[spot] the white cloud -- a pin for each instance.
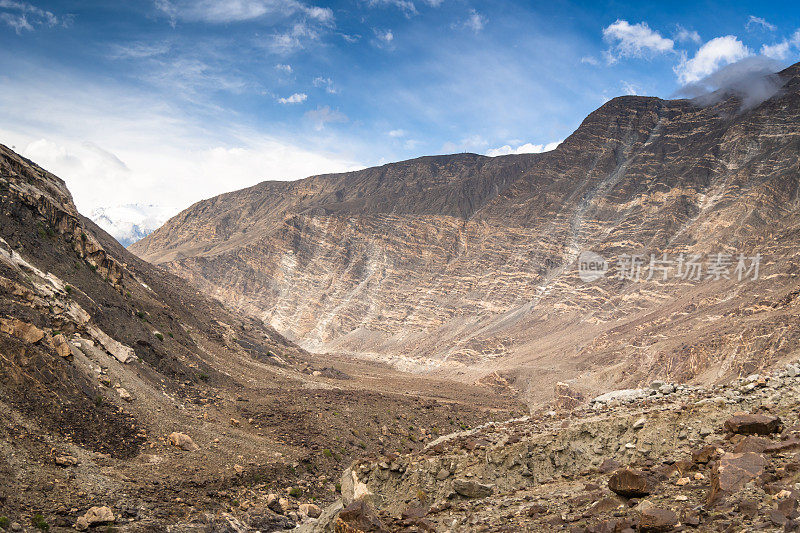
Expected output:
(634, 40)
(327, 83)
(526, 148)
(406, 6)
(221, 12)
(473, 143)
(22, 16)
(589, 60)
(758, 22)
(397, 133)
(297, 37)
(475, 22)
(630, 88)
(296, 98)
(682, 35)
(283, 68)
(385, 35)
(321, 116)
(710, 57)
(782, 49)
(115, 147)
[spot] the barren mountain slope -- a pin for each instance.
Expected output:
(466, 264)
(103, 357)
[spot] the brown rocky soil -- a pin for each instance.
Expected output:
(686, 459)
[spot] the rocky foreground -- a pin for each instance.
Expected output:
(665, 458)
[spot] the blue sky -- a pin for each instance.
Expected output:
(165, 102)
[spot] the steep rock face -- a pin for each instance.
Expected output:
(466, 263)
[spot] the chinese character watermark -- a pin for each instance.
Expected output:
(689, 267)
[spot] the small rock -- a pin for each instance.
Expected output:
(310, 510)
(639, 424)
(66, 460)
(182, 441)
(124, 394)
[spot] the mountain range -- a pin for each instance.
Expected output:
(468, 267)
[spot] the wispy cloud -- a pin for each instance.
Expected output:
(475, 21)
(628, 40)
(759, 23)
(296, 98)
(283, 68)
(327, 83)
(216, 12)
(383, 38)
(22, 16)
(682, 35)
(322, 116)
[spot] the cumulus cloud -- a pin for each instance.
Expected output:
(752, 79)
(296, 98)
(321, 116)
(634, 40)
(280, 67)
(527, 148)
(22, 16)
(783, 49)
(759, 23)
(710, 57)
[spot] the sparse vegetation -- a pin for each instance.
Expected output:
(295, 492)
(68, 288)
(5, 523)
(327, 453)
(159, 336)
(202, 376)
(40, 523)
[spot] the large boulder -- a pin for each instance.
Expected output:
(733, 471)
(353, 489)
(27, 333)
(630, 483)
(753, 424)
(472, 489)
(61, 346)
(358, 517)
(655, 520)
(95, 515)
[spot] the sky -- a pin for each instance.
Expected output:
(145, 107)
